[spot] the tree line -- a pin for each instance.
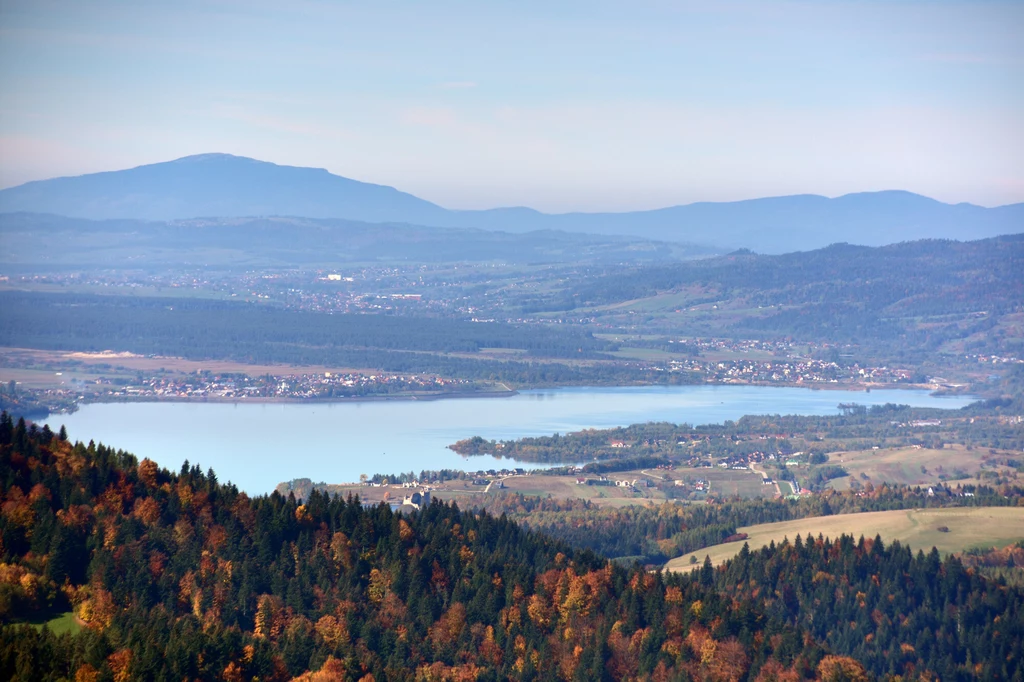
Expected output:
(655, 533)
(175, 575)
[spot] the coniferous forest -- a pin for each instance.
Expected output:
(173, 575)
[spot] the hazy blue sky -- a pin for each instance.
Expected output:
(557, 105)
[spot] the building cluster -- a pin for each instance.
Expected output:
(983, 359)
(322, 386)
(631, 485)
(705, 345)
(699, 485)
(806, 371)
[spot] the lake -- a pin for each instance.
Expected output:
(258, 445)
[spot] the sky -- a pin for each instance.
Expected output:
(592, 106)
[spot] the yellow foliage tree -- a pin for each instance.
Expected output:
(841, 669)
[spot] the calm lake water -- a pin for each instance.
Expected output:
(257, 446)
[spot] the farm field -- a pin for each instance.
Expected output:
(786, 488)
(665, 302)
(565, 487)
(969, 527)
(649, 354)
(916, 466)
(724, 483)
(465, 492)
(107, 364)
(731, 483)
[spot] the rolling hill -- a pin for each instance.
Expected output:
(966, 528)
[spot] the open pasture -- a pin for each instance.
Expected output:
(565, 487)
(915, 466)
(968, 528)
(59, 623)
(736, 483)
(724, 483)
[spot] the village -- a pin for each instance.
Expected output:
(791, 371)
(683, 480)
(63, 391)
(295, 387)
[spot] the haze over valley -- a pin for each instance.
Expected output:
(447, 342)
(225, 186)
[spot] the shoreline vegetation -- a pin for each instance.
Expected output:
(755, 436)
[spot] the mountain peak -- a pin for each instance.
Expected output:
(231, 159)
(217, 156)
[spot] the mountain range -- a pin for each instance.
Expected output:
(222, 185)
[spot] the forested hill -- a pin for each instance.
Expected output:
(254, 332)
(176, 576)
(916, 295)
(960, 275)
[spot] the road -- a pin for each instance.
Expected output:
(499, 478)
(757, 470)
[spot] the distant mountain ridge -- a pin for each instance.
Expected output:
(222, 185)
(215, 185)
(51, 242)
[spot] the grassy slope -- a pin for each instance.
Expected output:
(902, 466)
(969, 527)
(64, 622)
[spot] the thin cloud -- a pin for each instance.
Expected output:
(960, 58)
(429, 116)
(280, 124)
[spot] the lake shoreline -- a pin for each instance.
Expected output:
(865, 387)
(257, 444)
(452, 395)
(284, 400)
